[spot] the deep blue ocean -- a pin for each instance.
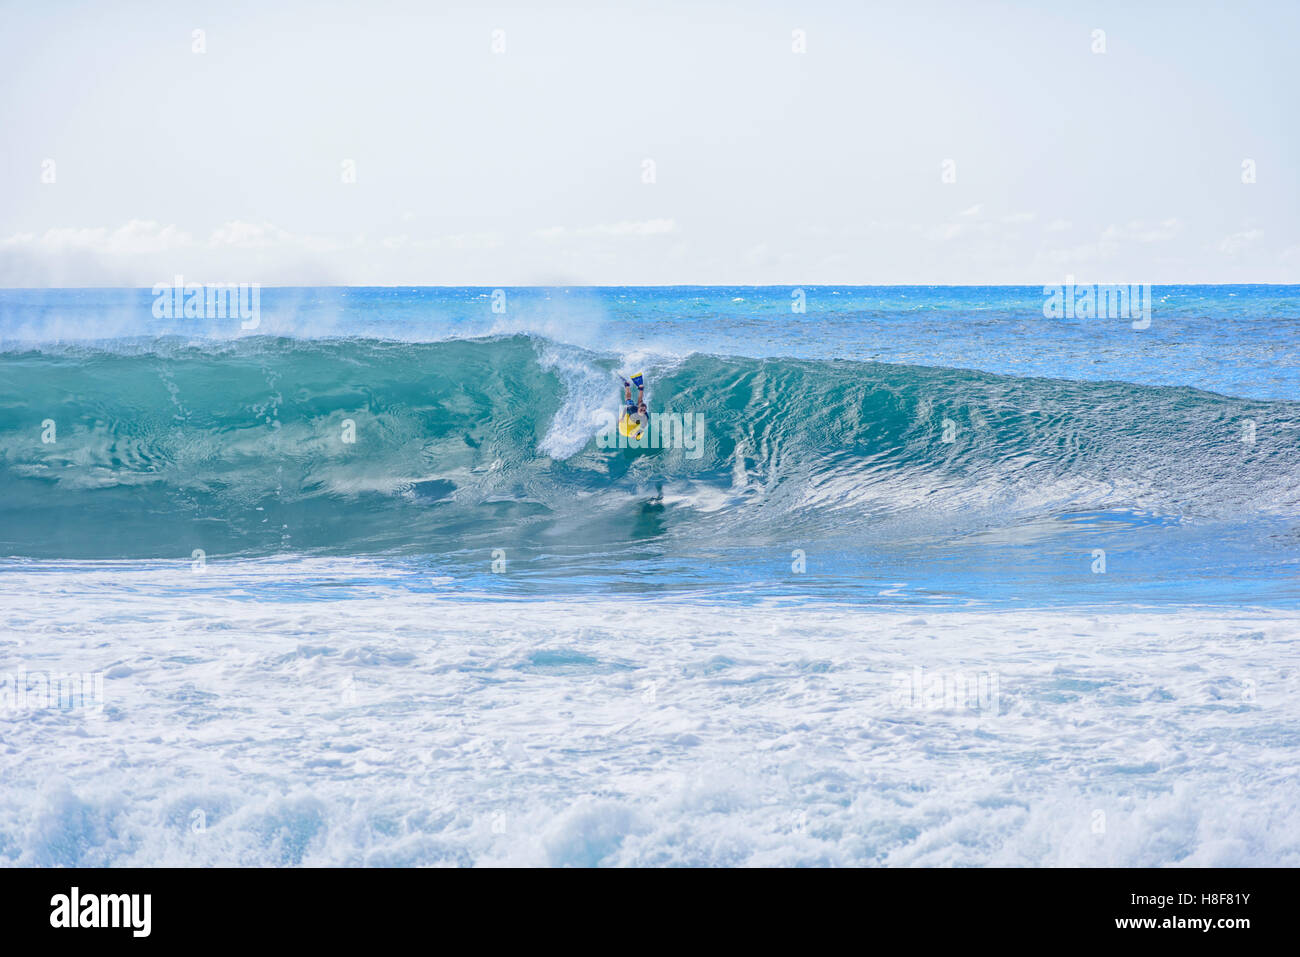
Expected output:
(893, 445)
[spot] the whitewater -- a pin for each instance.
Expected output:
(950, 583)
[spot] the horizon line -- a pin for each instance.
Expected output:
(685, 285)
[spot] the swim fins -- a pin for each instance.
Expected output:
(638, 380)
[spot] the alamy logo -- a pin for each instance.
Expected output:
(52, 691)
(1104, 301)
(666, 430)
(102, 910)
(214, 300)
(945, 691)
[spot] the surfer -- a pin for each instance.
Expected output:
(635, 415)
(632, 408)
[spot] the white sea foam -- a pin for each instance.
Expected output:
(247, 722)
(588, 390)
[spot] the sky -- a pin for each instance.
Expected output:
(426, 143)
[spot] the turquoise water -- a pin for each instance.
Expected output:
(900, 444)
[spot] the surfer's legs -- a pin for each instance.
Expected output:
(638, 380)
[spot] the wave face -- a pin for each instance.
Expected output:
(463, 447)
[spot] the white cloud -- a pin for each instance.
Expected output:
(142, 236)
(1139, 231)
(133, 238)
(1080, 258)
(238, 234)
(141, 250)
(944, 233)
(249, 235)
(463, 241)
(1237, 242)
(648, 227)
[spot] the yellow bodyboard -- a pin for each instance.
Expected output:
(631, 425)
